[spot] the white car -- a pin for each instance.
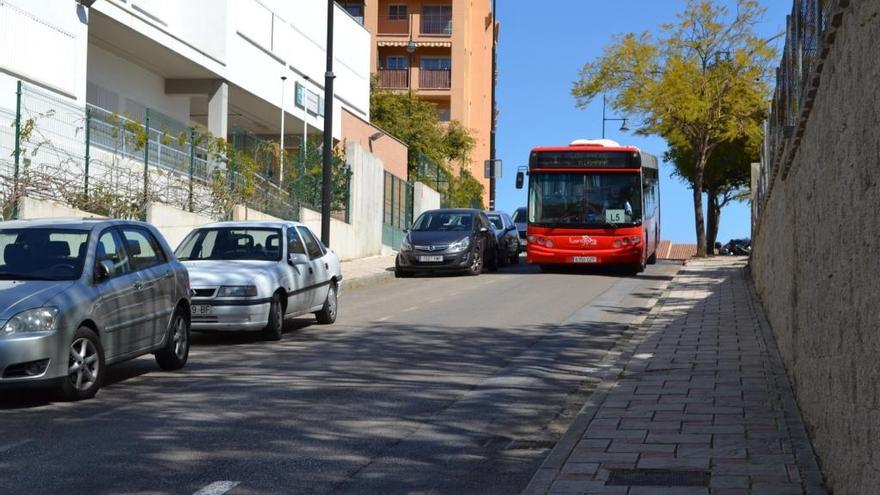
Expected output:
(252, 275)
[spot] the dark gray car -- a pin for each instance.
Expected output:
(78, 295)
(506, 236)
(451, 240)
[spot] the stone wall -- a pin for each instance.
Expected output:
(816, 259)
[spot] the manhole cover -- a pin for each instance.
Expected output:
(657, 477)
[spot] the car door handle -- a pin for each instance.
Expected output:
(326, 266)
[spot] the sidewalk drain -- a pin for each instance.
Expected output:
(656, 477)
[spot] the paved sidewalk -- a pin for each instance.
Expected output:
(367, 271)
(701, 404)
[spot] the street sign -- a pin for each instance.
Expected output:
(487, 169)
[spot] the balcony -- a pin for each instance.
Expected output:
(435, 79)
(393, 25)
(436, 25)
(393, 78)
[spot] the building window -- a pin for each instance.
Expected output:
(443, 115)
(355, 10)
(396, 62)
(437, 19)
(435, 63)
(397, 12)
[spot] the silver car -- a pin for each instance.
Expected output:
(251, 275)
(78, 295)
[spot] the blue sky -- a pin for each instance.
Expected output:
(542, 47)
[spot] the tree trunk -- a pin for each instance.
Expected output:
(699, 224)
(712, 222)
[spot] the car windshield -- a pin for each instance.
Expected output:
(585, 199)
(496, 221)
(520, 215)
(231, 243)
(443, 221)
(42, 253)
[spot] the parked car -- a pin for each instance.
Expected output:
(521, 220)
(506, 237)
(79, 295)
(737, 247)
(253, 275)
(448, 240)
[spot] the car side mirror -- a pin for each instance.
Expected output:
(520, 179)
(103, 270)
(297, 259)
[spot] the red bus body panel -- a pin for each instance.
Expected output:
(566, 244)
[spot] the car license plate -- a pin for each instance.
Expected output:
(583, 259)
(201, 309)
(430, 259)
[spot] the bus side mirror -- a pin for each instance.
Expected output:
(520, 178)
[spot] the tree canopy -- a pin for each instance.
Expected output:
(702, 82)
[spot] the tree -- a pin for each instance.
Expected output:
(703, 81)
(725, 178)
(415, 122)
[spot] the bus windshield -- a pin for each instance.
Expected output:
(592, 199)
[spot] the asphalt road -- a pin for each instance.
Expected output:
(425, 385)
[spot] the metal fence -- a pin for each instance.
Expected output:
(114, 165)
(796, 85)
(397, 208)
(430, 173)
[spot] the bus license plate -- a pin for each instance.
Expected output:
(431, 259)
(201, 310)
(583, 259)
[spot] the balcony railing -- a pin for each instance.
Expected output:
(393, 25)
(394, 78)
(437, 25)
(435, 79)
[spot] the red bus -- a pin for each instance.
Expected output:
(593, 202)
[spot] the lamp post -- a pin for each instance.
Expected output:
(328, 130)
(492, 116)
(410, 49)
(281, 139)
(305, 143)
(623, 127)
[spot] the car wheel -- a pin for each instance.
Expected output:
(400, 272)
(174, 354)
(275, 326)
(476, 266)
(86, 367)
(652, 260)
(327, 315)
(501, 256)
(493, 265)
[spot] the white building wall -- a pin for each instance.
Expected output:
(132, 82)
(44, 43)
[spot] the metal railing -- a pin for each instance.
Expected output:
(796, 86)
(397, 209)
(393, 78)
(110, 164)
(435, 79)
(436, 25)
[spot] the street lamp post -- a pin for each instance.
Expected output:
(328, 130)
(492, 116)
(623, 127)
(281, 139)
(305, 141)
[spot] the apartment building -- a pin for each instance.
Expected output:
(441, 50)
(217, 64)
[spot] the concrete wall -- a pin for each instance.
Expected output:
(30, 208)
(424, 198)
(242, 213)
(815, 261)
(174, 223)
(363, 236)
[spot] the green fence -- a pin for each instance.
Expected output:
(433, 175)
(111, 164)
(397, 210)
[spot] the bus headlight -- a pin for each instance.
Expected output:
(635, 240)
(548, 243)
(617, 244)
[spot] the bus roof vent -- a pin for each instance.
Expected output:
(595, 142)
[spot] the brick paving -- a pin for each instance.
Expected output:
(702, 388)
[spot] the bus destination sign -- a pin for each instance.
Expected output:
(585, 159)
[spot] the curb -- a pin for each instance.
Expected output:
(367, 280)
(555, 460)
